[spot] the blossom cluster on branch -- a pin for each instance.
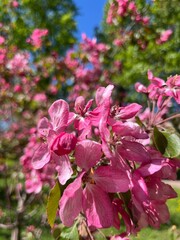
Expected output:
(109, 164)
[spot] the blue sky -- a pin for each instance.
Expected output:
(91, 13)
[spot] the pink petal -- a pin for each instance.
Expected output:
(111, 179)
(88, 105)
(64, 169)
(87, 154)
(103, 94)
(140, 88)
(59, 113)
(79, 104)
(44, 126)
(129, 111)
(133, 151)
(41, 156)
(71, 202)
(129, 129)
(97, 207)
(155, 80)
(72, 117)
(119, 208)
(150, 168)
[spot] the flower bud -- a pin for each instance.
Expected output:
(64, 143)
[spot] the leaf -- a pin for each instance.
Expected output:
(70, 233)
(57, 233)
(168, 143)
(52, 204)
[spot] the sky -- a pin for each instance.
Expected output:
(91, 13)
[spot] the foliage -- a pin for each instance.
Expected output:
(106, 159)
(143, 35)
(22, 18)
(107, 164)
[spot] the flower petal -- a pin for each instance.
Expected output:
(129, 111)
(111, 179)
(97, 207)
(41, 156)
(59, 113)
(44, 126)
(133, 151)
(71, 202)
(103, 94)
(64, 169)
(129, 129)
(87, 154)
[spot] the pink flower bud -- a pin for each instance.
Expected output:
(64, 143)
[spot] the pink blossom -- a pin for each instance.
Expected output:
(93, 200)
(164, 37)
(15, 4)
(36, 37)
(57, 141)
(2, 40)
(40, 97)
(19, 63)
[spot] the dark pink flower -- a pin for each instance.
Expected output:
(93, 200)
(57, 146)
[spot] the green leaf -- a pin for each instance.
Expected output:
(70, 233)
(52, 204)
(57, 233)
(168, 143)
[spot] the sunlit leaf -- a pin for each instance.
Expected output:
(168, 143)
(52, 204)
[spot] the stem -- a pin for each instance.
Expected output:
(88, 230)
(169, 118)
(101, 233)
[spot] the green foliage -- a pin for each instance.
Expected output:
(52, 204)
(167, 142)
(70, 233)
(162, 59)
(57, 16)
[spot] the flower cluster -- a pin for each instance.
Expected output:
(160, 94)
(36, 37)
(100, 155)
(123, 8)
(35, 179)
(140, 24)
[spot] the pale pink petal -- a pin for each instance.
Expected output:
(63, 167)
(44, 126)
(103, 94)
(79, 104)
(72, 117)
(33, 183)
(41, 156)
(87, 154)
(97, 207)
(111, 179)
(140, 88)
(59, 113)
(71, 202)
